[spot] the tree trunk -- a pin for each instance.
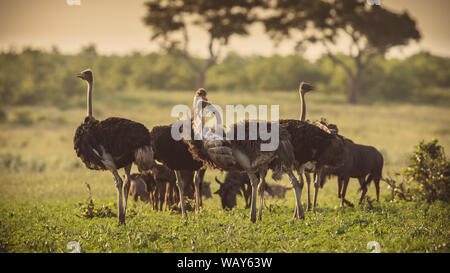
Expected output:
(354, 83)
(201, 77)
(353, 90)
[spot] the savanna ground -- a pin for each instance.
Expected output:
(42, 184)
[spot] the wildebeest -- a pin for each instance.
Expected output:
(158, 186)
(139, 188)
(360, 161)
(275, 190)
(239, 183)
(234, 183)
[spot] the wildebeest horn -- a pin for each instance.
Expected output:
(217, 180)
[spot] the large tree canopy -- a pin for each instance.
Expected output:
(370, 30)
(169, 21)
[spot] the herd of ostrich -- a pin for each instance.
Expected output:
(171, 169)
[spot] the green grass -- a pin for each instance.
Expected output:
(42, 183)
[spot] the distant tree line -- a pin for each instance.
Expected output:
(32, 76)
(371, 30)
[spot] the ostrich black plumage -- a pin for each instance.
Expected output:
(112, 144)
(175, 155)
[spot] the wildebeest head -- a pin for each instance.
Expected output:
(227, 193)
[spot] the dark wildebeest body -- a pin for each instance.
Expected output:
(239, 183)
(275, 190)
(139, 188)
(360, 161)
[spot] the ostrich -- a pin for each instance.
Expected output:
(315, 147)
(302, 90)
(308, 169)
(299, 143)
(175, 155)
(112, 144)
(241, 155)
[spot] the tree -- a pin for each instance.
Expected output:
(370, 31)
(169, 21)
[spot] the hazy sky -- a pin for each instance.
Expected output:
(116, 26)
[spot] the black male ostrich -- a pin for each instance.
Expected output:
(315, 147)
(302, 90)
(175, 155)
(112, 144)
(308, 169)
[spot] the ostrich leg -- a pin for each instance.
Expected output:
(126, 186)
(317, 180)
(198, 179)
(180, 185)
(254, 182)
(119, 184)
(308, 185)
(302, 183)
(261, 187)
(298, 211)
(201, 176)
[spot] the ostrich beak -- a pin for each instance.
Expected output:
(79, 75)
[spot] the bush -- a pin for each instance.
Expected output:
(23, 118)
(429, 169)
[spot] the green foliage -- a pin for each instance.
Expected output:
(48, 78)
(399, 190)
(39, 211)
(15, 162)
(430, 169)
(89, 211)
(398, 227)
(22, 117)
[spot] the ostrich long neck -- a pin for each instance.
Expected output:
(302, 106)
(89, 98)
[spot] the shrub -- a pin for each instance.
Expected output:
(23, 118)
(429, 170)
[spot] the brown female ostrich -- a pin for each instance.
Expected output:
(175, 155)
(112, 144)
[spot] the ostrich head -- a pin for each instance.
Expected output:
(86, 75)
(305, 87)
(201, 92)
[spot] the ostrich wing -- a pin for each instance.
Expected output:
(219, 152)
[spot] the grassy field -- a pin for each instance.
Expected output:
(42, 183)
